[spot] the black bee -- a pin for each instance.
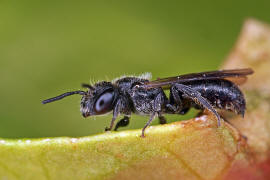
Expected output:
(126, 95)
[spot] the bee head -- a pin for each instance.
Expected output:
(98, 100)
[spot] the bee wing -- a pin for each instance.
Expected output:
(235, 75)
(238, 80)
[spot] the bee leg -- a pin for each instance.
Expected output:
(122, 123)
(162, 119)
(111, 125)
(152, 117)
(184, 110)
(157, 106)
(175, 104)
(195, 96)
(116, 112)
(171, 108)
(177, 109)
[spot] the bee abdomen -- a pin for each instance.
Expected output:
(222, 94)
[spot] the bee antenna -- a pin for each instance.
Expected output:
(62, 96)
(88, 86)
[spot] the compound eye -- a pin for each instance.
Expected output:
(104, 103)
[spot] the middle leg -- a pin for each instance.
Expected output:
(157, 108)
(162, 119)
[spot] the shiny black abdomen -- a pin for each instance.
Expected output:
(222, 94)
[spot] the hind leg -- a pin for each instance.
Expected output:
(196, 97)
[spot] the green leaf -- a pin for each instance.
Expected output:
(194, 149)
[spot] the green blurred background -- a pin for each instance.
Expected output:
(50, 47)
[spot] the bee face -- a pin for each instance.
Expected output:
(86, 106)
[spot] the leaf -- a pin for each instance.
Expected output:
(192, 149)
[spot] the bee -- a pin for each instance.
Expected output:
(206, 90)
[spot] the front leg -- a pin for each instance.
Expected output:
(197, 98)
(122, 122)
(121, 106)
(116, 112)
